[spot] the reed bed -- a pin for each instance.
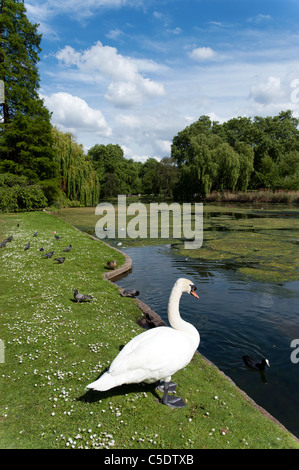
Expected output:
(260, 196)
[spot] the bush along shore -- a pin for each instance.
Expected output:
(55, 346)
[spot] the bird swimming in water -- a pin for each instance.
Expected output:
(255, 363)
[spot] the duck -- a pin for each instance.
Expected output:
(130, 293)
(112, 264)
(255, 363)
(156, 354)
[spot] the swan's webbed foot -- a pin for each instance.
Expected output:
(171, 386)
(173, 402)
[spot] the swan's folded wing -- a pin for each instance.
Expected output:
(153, 350)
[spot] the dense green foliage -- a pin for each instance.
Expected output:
(26, 146)
(16, 194)
(240, 154)
(117, 175)
(79, 180)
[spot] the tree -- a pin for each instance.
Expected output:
(228, 167)
(149, 176)
(240, 154)
(116, 174)
(197, 159)
(168, 176)
(246, 159)
(25, 129)
(79, 180)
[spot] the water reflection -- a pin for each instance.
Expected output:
(234, 317)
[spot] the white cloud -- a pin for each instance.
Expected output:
(175, 31)
(114, 34)
(158, 15)
(51, 8)
(123, 94)
(202, 53)
(128, 87)
(72, 113)
(259, 18)
(164, 146)
(270, 91)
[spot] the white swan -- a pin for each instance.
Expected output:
(156, 354)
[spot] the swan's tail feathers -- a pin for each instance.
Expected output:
(105, 382)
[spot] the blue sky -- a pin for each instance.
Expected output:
(136, 72)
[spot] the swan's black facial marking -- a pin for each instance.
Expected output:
(192, 291)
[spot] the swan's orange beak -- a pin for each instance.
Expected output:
(193, 289)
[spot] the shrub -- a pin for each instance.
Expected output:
(16, 198)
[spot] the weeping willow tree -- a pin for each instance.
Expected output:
(79, 181)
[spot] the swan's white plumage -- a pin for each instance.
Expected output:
(155, 354)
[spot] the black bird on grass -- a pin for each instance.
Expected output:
(48, 255)
(81, 297)
(255, 363)
(130, 293)
(2, 245)
(27, 246)
(41, 249)
(35, 234)
(57, 237)
(68, 248)
(9, 239)
(60, 260)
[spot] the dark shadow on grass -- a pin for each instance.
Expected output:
(91, 396)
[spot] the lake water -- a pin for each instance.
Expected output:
(234, 317)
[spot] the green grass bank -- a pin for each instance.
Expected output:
(54, 347)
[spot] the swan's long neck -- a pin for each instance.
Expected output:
(175, 318)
